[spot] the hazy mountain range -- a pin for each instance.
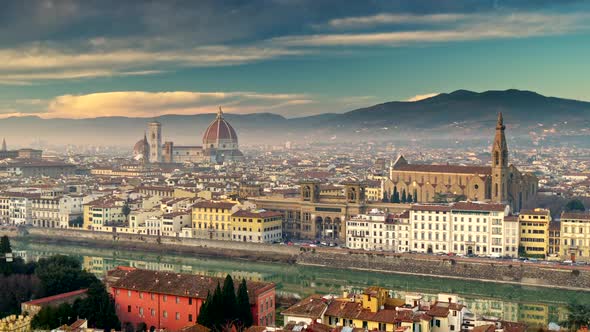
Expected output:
(463, 116)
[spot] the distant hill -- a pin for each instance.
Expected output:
(461, 115)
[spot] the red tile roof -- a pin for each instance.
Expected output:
(195, 286)
(453, 169)
(49, 299)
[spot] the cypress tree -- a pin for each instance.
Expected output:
(410, 200)
(243, 304)
(404, 197)
(395, 195)
(204, 317)
(415, 196)
(216, 309)
(5, 245)
(385, 197)
(229, 299)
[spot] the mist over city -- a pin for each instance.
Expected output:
(294, 166)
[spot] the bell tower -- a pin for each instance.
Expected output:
(500, 164)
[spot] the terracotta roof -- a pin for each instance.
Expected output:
(453, 169)
(214, 205)
(439, 309)
(256, 214)
(354, 310)
(470, 206)
(575, 215)
(217, 130)
(192, 285)
(535, 213)
(49, 299)
(311, 307)
(418, 207)
(485, 328)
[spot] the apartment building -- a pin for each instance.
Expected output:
(534, 232)
(575, 236)
(470, 228)
(372, 231)
(258, 226)
(211, 220)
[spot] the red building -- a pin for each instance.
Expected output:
(167, 300)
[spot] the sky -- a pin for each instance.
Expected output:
(81, 59)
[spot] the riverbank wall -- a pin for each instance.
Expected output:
(426, 265)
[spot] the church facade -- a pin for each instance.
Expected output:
(220, 144)
(499, 182)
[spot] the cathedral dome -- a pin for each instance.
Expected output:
(141, 149)
(220, 134)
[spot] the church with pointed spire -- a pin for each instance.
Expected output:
(499, 182)
(219, 145)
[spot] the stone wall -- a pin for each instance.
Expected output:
(232, 249)
(447, 267)
(510, 272)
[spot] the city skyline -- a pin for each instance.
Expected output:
(86, 59)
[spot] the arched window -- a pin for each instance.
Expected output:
(496, 158)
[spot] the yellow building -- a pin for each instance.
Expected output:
(259, 226)
(374, 309)
(534, 231)
(103, 212)
(575, 236)
(211, 220)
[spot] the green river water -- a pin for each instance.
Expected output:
(535, 306)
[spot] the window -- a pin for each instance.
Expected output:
(153, 312)
(177, 299)
(128, 308)
(164, 298)
(190, 301)
(165, 314)
(177, 315)
(190, 317)
(153, 296)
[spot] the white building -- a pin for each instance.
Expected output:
(372, 231)
(470, 228)
(172, 223)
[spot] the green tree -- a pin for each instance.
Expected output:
(575, 205)
(5, 245)
(61, 274)
(228, 297)
(395, 195)
(579, 315)
(244, 314)
(98, 308)
(385, 197)
(204, 317)
(410, 199)
(51, 317)
(415, 196)
(76, 222)
(126, 209)
(404, 196)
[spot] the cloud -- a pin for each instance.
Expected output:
(33, 63)
(423, 96)
(149, 104)
(471, 27)
(388, 19)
